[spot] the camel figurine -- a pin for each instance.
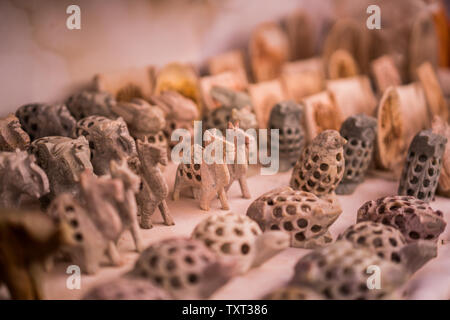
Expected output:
(205, 178)
(154, 190)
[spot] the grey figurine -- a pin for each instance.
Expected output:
(88, 103)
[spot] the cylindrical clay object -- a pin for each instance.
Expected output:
(423, 165)
(360, 132)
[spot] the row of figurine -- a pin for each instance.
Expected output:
(398, 234)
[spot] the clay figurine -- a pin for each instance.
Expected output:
(385, 73)
(341, 271)
(301, 30)
(389, 243)
(42, 120)
(12, 136)
(240, 237)
(63, 160)
(414, 218)
(108, 140)
(230, 61)
(320, 167)
(185, 268)
(442, 128)
(287, 117)
(126, 288)
(302, 215)
(206, 179)
(154, 190)
(27, 239)
(423, 164)
(360, 133)
(22, 181)
(89, 103)
(342, 65)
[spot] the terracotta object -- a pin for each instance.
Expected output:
(321, 113)
(320, 167)
(360, 133)
(442, 128)
(126, 288)
(423, 165)
(385, 73)
(179, 113)
(342, 65)
(88, 103)
(205, 180)
(302, 215)
(154, 189)
(42, 120)
(353, 95)
(127, 84)
(27, 239)
(301, 30)
(388, 243)
(181, 78)
(413, 217)
(264, 96)
(240, 237)
(63, 160)
(437, 104)
(22, 181)
(288, 117)
(402, 113)
(229, 61)
(293, 293)
(108, 140)
(185, 268)
(268, 49)
(302, 78)
(89, 248)
(341, 271)
(12, 136)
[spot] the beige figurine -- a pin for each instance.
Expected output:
(268, 49)
(237, 236)
(442, 128)
(22, 181)
(12, 136)
(302, 215)
(230, 61)
(342, 65)
(385, 73)
(320, 167)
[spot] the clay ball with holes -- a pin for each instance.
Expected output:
(341, 271)
(414, 218)
(239, 237)
(126, 288)
(294, 293)
(302, 215)
(186, 268)
(320, 167)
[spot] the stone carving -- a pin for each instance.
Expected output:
(360, 132)
(154, 189)
(63, 160)
(12, 136)
(22, 181)
(287, 117)
(339, 271)
(42, 120)
(442, 128)
(237, 236)
(389, 243)
(185, 268)
(89, 103)
(108, 140)
(126, 288)
(320, 167)
(420, 174)
(27, 239)
(413, 217)
(302, 215)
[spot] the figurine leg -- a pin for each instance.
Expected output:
(176, 189)
(35, 270)
(223, 199)
(114, 254)
(147, 211)
(164, 209)
(205, 198)
(244, 188)
(136, 233)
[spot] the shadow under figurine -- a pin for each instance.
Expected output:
(360, 133)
